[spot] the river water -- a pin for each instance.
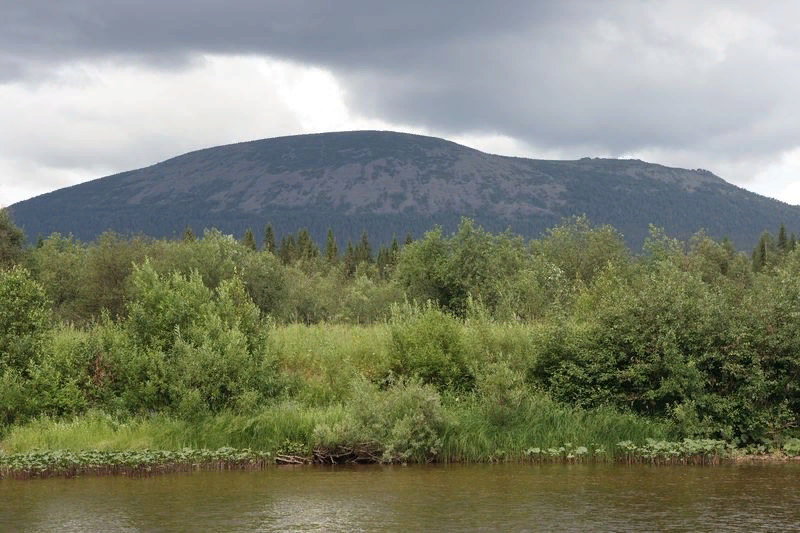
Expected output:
(505, 497)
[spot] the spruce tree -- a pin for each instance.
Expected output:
(249, 240)
(288, 250)
(783, 242)
(760, 253)
(364, 250)
(350, 260)
(188, 234)
(306, 248)
(331, 251)
(269, 239)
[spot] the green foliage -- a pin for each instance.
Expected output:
(266, 281)
(215, 257)
(188, 235)
(197, 350)
(792, 447)
(14, 396)
(403, 423)
(502, 391)
(25, 319)
(249, 240)
(269, 239)
(109, 263)
(331, 250)
(427, 343)
(60, 265)
(714, 261)
(12, 240)
(364, 301)
(471, 263)
(639, 351)
(688, 336)
(580, 250)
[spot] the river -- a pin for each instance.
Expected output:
(502, 497)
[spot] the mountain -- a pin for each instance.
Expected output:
(386, 182)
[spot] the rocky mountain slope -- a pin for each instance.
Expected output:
(386, 182)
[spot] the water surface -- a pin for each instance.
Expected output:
(510, 497)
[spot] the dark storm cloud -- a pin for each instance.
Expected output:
(342, 32)
(614, 76)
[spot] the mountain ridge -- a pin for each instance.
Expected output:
(387, 182)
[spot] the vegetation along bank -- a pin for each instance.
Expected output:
(465, 347)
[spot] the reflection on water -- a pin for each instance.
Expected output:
(432, 498)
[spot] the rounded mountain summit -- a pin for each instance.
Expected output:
(389, 183)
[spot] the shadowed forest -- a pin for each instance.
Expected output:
(465, 347)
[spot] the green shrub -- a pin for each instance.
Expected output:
(162, 307)
(266, 281)
(502, 393)
(404, 423)
(25, 319)
(640, 350)
(428, 344)
(365, 301)
(194, 349)
(14, 397)
(12, 240)
(473, 262)
(59, 265)
(792, 447)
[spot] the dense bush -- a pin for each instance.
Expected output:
(472, 262)
(402, 423)
(24, 319)
(206, 350)
(428, 344)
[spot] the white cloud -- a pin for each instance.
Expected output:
(102, 117)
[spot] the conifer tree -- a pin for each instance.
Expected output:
(792, 243)
(364, 250)
(350, 260)
(783, 242)
(188, 234)
(288, 250)
(249, 240)
(760, 253)
(331, 251)
(269, 239)
(305, 246)
(385, 262)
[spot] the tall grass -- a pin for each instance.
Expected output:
(464, 433)
(281, 428)
(321, 361)
(543, 423)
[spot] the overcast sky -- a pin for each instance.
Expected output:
(93, 87)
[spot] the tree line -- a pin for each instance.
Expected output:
(690, 332)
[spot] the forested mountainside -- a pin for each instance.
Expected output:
(393, 183)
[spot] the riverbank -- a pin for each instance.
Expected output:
(404, 425)
(65, 463)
